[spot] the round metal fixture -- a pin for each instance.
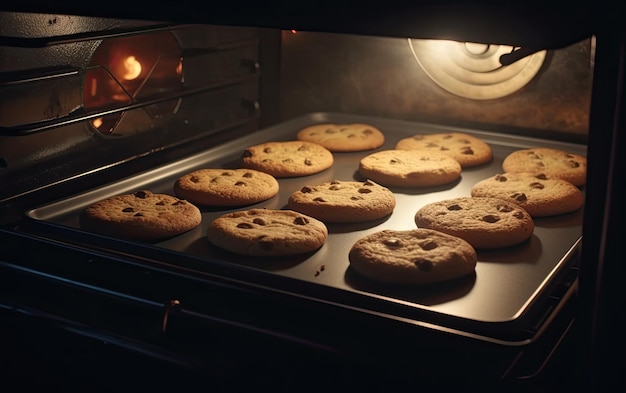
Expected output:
(473, 70)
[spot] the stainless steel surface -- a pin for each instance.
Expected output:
(507, 281)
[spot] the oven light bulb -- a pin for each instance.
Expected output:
(132, 68)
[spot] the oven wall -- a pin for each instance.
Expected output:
(379, 76)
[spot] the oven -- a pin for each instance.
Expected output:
(99, 100)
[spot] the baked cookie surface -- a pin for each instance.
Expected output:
(343, 201)
(484, 222)
(267, 232)
(553, 163)
(468, 150)
(413, 257)
(287, 158)
(538, 195)
(226, 187)
(343, 137)
(409, 168)
(141, 215)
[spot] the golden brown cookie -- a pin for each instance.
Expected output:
(343, 201)
(554, 163)
(267, 232)
(468, 150)
(287, 158)
(142, 215)
(410, 168)
(226, 187)
(482, 221)
(537, 194)
(343, 137)
(412, 257)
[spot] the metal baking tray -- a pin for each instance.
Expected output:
(497, 302)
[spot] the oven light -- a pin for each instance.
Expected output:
(97, 122)
(474, 70)
(132, 68)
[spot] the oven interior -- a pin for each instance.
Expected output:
(94, 106)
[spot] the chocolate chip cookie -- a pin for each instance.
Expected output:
(267, 232)
(554, 163)
(484, 222)
(539, 195)
(142, 215)
(468, 150)
(412, 257)
(287, 158)
(226, 187)
(343, 137)
(344, 201)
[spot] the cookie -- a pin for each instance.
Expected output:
(287, 158)
(412, 257)
(142, 215)
(468, 150)
(539, 195)
(226, 187)
(343, 137)
(409, 168)
(554, 163)
(343, 201)
(483, 222)
(267, 232)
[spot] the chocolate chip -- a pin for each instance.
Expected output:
(490, 218)
(194, 179)
(245, 225)
(368, 183)
(308, 162)
(356, 198)
(141, 194)
(504, 208)
(393, 242)
(423, 265)
(330, 131)
(306, 189)
(573, 164)
(227, 173)
(501, 178)
(240, 183)
(139, 214)
(428, 245)
(518, 214)
(259, 221)
(519, 196)
(247, 175)
(300, 220)
(541, 176)
(467, 150)
(335, 182)
(179, 202)
(303, 148)
(319, 199)
(128, 210)
(246, 153)
(455, 207)
(351, 136)
(334, 188)
(364, 190)
(368, 132)
(267, 150)
(536, 185)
